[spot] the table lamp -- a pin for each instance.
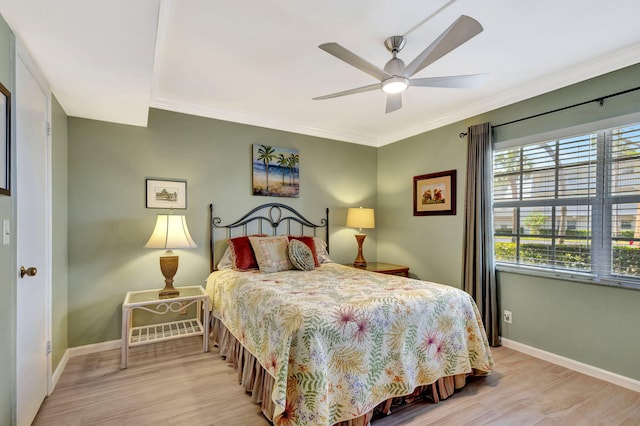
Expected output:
(360, 218)
(171, 232)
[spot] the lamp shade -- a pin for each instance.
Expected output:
(360, 218)
(171, 232)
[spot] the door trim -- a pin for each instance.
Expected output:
(23, 55)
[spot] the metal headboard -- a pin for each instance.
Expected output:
(269, 216)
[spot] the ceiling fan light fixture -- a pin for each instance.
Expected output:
(395, 85)
(396, 77)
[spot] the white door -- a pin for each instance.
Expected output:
(32, 171)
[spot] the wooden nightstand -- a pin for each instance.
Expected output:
(387, 268)
(148, 300)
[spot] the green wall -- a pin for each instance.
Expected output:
(430, 245)
(109, 224)
(7, 254)
(596, 325)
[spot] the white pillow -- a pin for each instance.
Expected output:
(225, 261)
(321, 250)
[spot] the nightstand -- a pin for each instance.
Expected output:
(148, 300)
(387, 268)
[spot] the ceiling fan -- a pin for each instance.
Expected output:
(396, 77)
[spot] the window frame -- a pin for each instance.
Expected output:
(601, 204)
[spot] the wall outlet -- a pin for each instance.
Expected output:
(507, 317)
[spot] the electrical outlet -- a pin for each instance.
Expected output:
(507, 317)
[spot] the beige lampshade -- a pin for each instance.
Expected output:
(171, 232)
(360, 218)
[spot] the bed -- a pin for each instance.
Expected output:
(330, 344)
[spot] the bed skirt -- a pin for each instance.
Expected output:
(259, 383)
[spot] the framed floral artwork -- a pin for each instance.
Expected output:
(434, 194)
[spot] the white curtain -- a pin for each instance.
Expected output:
(479, 278)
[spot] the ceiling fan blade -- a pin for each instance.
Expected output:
(354, 60)
(461, 31)
(394, 102)
(367, 88)
(453, 81)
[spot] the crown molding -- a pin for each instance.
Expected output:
(236, 117)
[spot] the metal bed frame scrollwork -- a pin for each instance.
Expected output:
(272, 215)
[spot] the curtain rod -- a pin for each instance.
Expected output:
(600, 101)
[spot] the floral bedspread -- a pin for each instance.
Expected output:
(339, 340)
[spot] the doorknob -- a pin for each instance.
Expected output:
(28, 271)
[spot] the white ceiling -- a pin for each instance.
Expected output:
(258, 62)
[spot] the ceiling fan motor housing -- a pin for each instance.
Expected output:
(395, 43)
(394, 66)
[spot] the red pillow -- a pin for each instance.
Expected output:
(310, 243)
(242, 255)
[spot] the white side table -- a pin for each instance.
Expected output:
(148, 300)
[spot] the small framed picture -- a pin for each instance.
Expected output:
(5, 141)
(166, 194)
(434, 194)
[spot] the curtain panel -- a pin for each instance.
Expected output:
(479, 277)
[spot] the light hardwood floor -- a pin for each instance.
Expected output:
(174, 383)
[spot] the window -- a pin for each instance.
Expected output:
(571, 205)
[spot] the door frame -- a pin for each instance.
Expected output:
(22, 54)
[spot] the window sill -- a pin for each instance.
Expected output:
(566, 276)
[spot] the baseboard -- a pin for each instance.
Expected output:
(58, 373)
(96, 347)
(589, 370)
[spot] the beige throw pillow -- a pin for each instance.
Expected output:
(271, 253)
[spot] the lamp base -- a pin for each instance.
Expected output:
(168, 293)
(360, 261)
(169, 267)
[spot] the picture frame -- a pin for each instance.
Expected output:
(5, 141)
(275, 171)
(434, 194)
(166, 194)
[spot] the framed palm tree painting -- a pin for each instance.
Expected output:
(276, 171)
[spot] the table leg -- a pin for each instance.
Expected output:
(205, 319)
(124, 345)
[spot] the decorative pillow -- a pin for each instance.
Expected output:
(225, 261)
(271, 253)
(310, 243)
(242, 256)
(300, 255)
(321, 250)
